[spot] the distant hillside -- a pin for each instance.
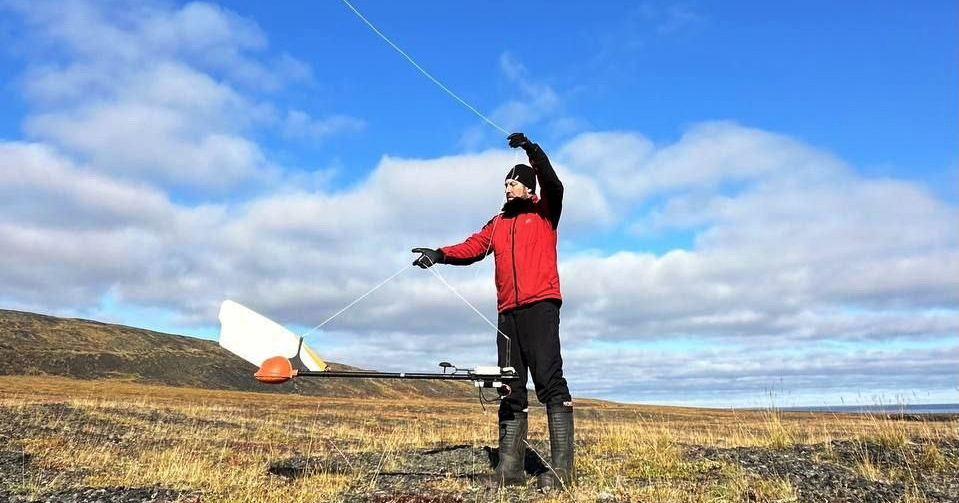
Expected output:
(35, 344)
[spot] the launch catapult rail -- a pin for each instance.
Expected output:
(279, 369)
(282, 355)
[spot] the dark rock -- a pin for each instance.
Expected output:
(819, 481)
(110, 495)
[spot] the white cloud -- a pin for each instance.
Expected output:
(299, 124)
(798, 241)
(153, 142)
(118, 34)
(538, 100)
(788, 260)
(70, 234)
(535, 103)
(759, 268)
(819, 376)
(164, 95)
(790, 248)
(34, 175)
(707, 155)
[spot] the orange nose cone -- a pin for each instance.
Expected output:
(276, 370)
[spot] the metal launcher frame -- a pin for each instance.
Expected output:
(282, 355)
(279, 369)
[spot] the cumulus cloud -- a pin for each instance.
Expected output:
(710, 375)
(706, 156)
(35, 173)
(788, 239)
(538, 100)
(170, 96)
(788, 247)
(781, 263)
(535, 103)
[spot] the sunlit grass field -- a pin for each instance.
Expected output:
(218, 446)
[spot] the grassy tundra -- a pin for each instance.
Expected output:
(65, 438)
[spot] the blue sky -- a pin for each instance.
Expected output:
(839, 77)
(760, 197)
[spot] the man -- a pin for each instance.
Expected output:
(522, 239)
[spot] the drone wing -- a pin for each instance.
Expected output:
(255, 338)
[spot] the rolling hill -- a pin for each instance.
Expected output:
(36, 344)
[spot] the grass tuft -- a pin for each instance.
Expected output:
(220, 446)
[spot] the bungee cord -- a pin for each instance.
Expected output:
(482, 378)
(361, 297)
(442, 280)
(435, 81)
(493, 230)
(490, 323)
(495, 221)
(421, 69)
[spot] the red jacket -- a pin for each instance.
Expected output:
(522, 240)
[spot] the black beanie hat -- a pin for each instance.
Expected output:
(523, 174)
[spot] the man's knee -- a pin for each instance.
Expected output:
(554, 392)
(509, 410)
(557, 405)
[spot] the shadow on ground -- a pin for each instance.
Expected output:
(412, 476)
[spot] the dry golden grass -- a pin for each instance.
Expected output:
(219, 444)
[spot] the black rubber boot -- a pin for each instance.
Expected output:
(560, 420)
(510, 469)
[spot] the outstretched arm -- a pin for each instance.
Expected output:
(475, 248)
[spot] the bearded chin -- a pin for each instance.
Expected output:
(512, 205)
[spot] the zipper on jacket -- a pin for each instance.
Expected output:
(513, 252)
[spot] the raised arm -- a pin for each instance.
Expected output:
(551, 188)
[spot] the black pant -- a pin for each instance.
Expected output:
(533, 348)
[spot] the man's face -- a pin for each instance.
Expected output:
(515, 190)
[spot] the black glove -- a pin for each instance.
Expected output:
(519, 140)
(428, 258)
